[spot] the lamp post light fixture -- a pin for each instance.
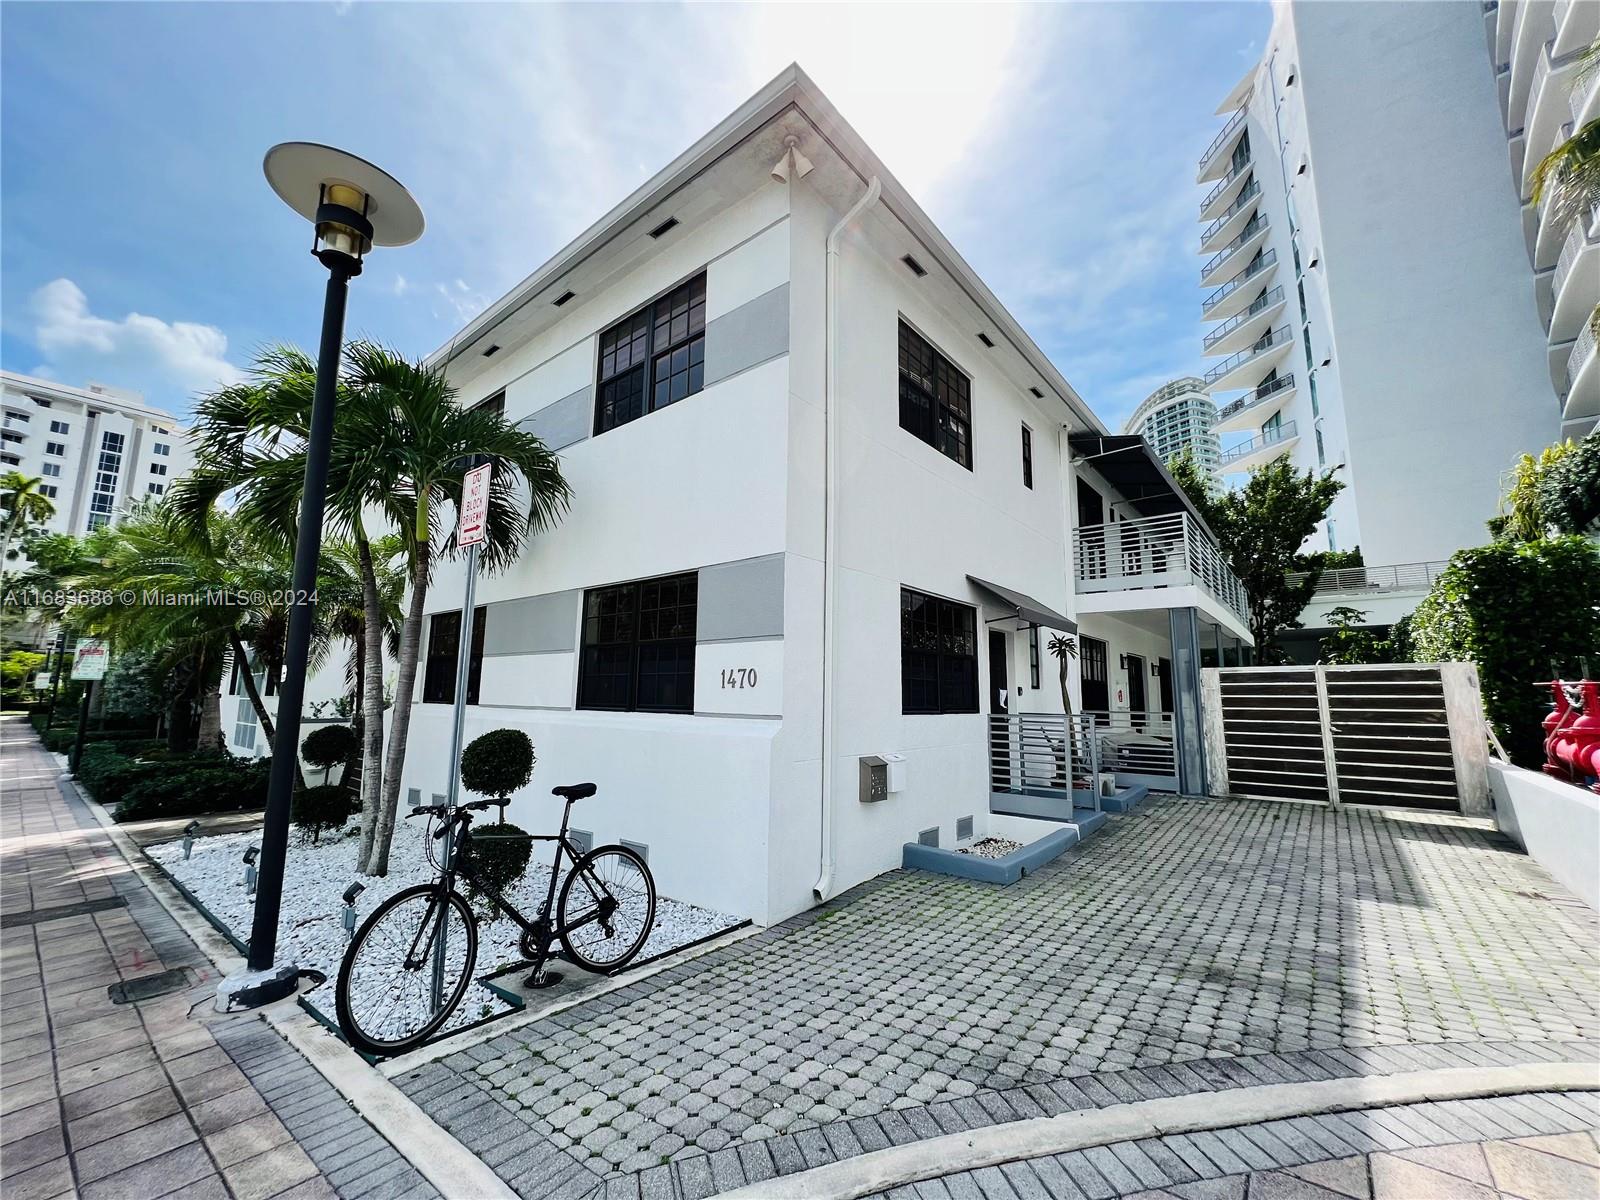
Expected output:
(352, 206)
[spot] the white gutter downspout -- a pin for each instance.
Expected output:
(824, 885)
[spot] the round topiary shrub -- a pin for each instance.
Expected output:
(316, 810)
(328, 746)
(498, 763)
(499, 855)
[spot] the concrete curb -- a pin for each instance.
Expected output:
(881, 1170)
(438, 1157)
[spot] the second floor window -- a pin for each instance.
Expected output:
(654, 358)
(935, 398)
(444, 646)
(162, 448)
(639, 645)
(1027, 458)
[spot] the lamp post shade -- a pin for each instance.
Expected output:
(302, 173)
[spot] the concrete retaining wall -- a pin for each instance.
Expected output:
(1556, 823)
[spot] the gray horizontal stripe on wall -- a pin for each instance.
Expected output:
(756, 331)
(741, 600)
(532, 625)
(570, 419)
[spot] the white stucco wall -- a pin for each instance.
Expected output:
(1555, 822)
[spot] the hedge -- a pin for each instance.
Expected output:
(169, 783)
(1523, 612)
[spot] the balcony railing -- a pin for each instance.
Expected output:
(1541, 72)
(1137, 743)
(1044, 754)
(1239, 201)
(1581, 349)
(1265, 300)
(1228, 131)
(1259, 443)
(1251, 227)
(1224, 183)
(1262, 393)
(1278, 337)
(1155, 552)
(1267, 260)
(1583, 87)
(1403, 577)
(1576, 237)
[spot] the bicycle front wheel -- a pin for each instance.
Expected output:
(395, 990)
(607, 908)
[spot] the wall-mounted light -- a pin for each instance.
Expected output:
(1122, 661)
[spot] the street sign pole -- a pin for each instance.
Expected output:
(474, 508)
(89, 660)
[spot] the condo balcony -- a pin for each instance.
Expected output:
(1575, 286)
(1260, 449)
(1576, 23)
(1236, 295)
(1255, 407)
(1583, 377)
(1548, 107)
(1214, 162)
(1164, 552)
(1238, 250)
(1226, 190)
(1231, 219)
(1251, 365)
(1365, 581)
(1545, 245)
(1244, 327)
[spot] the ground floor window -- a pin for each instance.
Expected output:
(444, 647)
(1094, 675)
(938, 655)
(639, 645)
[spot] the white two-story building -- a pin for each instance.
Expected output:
(825, 493)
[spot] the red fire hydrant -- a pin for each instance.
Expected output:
(1572, 733)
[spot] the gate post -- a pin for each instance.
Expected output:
(1329, 764)
(1215, 736)
(1188, 744)
(1469, 745)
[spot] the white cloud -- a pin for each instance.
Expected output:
(137, 348)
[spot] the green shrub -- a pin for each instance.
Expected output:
(315, 810)
(1524, 612)
(499, 856)
(498, 763)
(328, 746)
(204, 783)
(1569, 489)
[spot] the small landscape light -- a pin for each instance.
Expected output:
(250, 869)
(351, 894)
(190, 832)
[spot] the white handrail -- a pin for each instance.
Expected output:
(1156, 552)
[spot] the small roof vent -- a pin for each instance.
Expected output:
(563, 298)
(1037, 394)
(666, 226)
(984, 338)
(914, 266)
(491, 351)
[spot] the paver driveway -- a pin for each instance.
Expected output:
(1187, 931)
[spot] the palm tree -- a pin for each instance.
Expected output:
(1571, 172)
(23, 504)
(400, 446)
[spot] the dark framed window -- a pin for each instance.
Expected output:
(1027, 457)
(1033, 656)
(494, 404)
(938, 655)
(653, 358)
(444, 645)
(638, 645)
(935, 398)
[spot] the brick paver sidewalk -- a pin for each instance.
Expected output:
(151, 1097)
(1190, 946)
(1533, 1147)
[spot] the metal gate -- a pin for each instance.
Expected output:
(1399, 736)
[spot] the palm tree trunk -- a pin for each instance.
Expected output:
(371, 700)
(210, 735)
(358, 654)
(405, 685)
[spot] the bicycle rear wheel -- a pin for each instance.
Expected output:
(607, 908)
(385, 994)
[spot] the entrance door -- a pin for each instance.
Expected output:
(1092, 670)
(1136, 699)
(999, 706)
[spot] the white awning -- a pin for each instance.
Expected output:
(1026, 609)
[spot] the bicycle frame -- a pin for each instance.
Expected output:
(540, 929)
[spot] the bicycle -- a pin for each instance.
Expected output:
(411, 961)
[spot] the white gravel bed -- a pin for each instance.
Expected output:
(991, 847)
(311, 932)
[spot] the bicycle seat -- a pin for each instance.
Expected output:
(574, 791)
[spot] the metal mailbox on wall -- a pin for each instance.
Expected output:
(874, 778)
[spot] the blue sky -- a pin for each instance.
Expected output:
(140, 245)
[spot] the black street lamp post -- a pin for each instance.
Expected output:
(354, 206)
